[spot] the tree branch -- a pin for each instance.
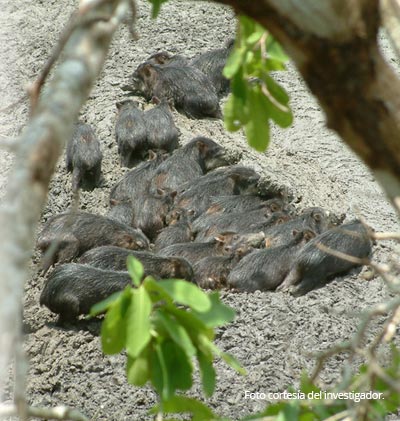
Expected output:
(334, 46)
(57, 413)
(38, 150)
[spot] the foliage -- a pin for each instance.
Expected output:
(163, 326)
(256, 98)
(156, 7)
(359, 399)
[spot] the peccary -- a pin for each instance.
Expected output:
(190, 89)
(313, 266)
(83, 158)
(266, 269)
(114, 258)
(73, 289)
(75, 233)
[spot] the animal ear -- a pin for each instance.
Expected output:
(201, 146)
(155, 100)
(152, 155)
(175, 266)
(275, 207)
(317, 217)
(170, 103)
(131, 242)
(220, 238)
(113, 202)
(242, 251)
(309, 235)
(235, 177)
(147, 70)
(127, 239)
(213, 208)
(173, 194)
(160, 191)
(295, 232)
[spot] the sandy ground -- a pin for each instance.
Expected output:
(273, 333)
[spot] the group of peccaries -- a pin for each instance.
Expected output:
(183, 211)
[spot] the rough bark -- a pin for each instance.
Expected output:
(36, 156)
(334, 46)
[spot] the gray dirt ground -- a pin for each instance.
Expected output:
(273, 333)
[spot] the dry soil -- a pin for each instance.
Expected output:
(273, 333)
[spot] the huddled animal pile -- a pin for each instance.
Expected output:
(184, 212)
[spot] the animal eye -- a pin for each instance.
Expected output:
(317, 217)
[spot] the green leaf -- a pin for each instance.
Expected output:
(207, 373)
(275, 102)
(235, 111)
(177, 333)
(275, 51)
(135, 269)
(257, 128)
(171, 369)
(187, 293)
(113, 328)
(291, 410)
(379, 408)
(156, 7)
(183, 404)
(255, 37)
(247, 26)
(137, 369)
(178, 366)
(306, 386)
(228, 358)
(219, 313)
(138, 319)
(233, 362)
(232, 122)
(156, 292)
(277, 91)
(321, 411)
(234, 62)
(104, 305)
(159, 374)
(193, 325)
(273, 65)
(308, 415)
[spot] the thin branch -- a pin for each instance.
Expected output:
(339, 416)
(388, 331)
(344, 256)
(57, 413)
(8, 144)
(386, 236)
(355, 343)
(324, 355)
(78, 19)
(21, 375)
(375, 368)
(38, 150)
(390, 10)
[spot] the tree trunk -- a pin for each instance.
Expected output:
(36, 156)
(333, 43)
